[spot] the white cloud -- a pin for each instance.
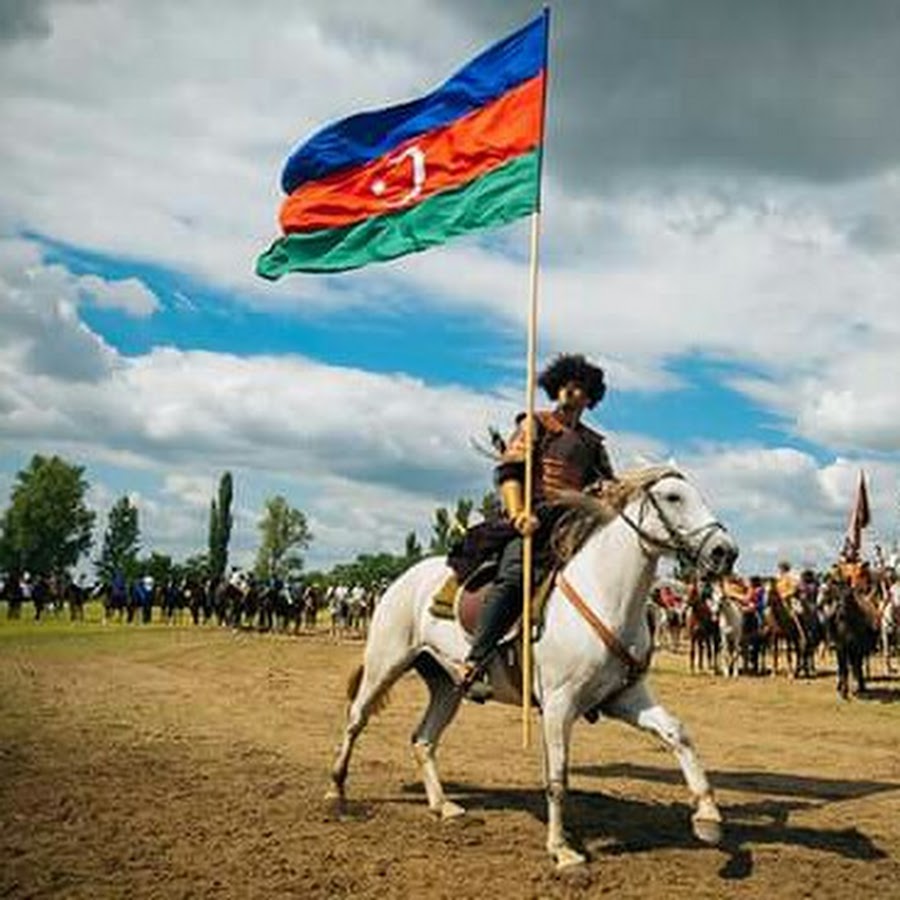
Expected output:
(155, 132)
(128, 295)
(168, 143)
(782, 504)
(188, 415)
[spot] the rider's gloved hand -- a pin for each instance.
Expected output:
(514, 504)
(525, 523)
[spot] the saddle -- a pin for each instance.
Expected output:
(464, 601)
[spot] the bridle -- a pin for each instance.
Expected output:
(688, 546)
(680, 543)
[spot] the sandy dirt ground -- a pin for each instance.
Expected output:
(141, 762)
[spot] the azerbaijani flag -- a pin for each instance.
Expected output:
(382, 184)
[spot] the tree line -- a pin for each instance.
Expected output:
(48, 528)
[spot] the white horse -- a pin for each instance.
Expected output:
(890, 626)
(592, 655)
(731, 627)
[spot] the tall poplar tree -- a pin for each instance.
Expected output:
(220, 523)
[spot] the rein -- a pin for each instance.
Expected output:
(634, 667)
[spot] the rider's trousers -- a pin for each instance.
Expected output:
(502, 604)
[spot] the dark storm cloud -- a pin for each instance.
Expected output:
(800, 88)
(22, 20)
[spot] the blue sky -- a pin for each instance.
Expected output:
(402, 335)
(720, 232)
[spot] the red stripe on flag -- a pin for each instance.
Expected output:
(423, 166)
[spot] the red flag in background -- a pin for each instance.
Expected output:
(859, 518)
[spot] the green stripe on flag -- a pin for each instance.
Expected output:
(502, 195)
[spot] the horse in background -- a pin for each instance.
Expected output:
(703, 627)
(75, 594)
(889, 616)
(12, 593)
(809, 621)
(201, 598)
(234, 599)
(312, 600)
(852, 632)
(734, 615)
(666, 616)
(338, 600)
(592, 654)
(781, 629)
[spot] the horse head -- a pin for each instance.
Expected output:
(670, 517)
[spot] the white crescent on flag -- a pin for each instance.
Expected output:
(417, 157)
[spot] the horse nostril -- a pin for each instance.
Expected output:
(723, 556)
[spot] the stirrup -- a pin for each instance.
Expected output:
(473, 683)
(476, 686)
(467, 673)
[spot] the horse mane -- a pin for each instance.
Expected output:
(590, 510)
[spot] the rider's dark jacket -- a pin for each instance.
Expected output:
(565, 458)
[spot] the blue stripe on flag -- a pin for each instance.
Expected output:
(361, 138)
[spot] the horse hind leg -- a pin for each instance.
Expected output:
(444, 700)
(638, 708)
(367, 691)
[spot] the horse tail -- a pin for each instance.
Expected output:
(353, 682)
(379, 702)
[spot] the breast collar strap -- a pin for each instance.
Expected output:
(634, 667)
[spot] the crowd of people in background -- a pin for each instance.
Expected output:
(749, 615)
(799, 608)
(239, 600)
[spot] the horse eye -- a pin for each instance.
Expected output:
(673, 498)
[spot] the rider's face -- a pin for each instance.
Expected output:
(572, 397)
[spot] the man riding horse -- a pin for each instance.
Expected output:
(568, 456)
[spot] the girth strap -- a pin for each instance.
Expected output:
(633, 666)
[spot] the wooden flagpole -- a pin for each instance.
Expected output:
(527, 542)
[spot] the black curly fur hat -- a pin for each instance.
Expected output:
(573, 367)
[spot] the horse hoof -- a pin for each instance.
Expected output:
(450, 810)
(566, 858)
(709, 831)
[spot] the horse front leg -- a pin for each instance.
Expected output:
(637, 707)
(558, 718)
(843, 671)
(859, 664)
